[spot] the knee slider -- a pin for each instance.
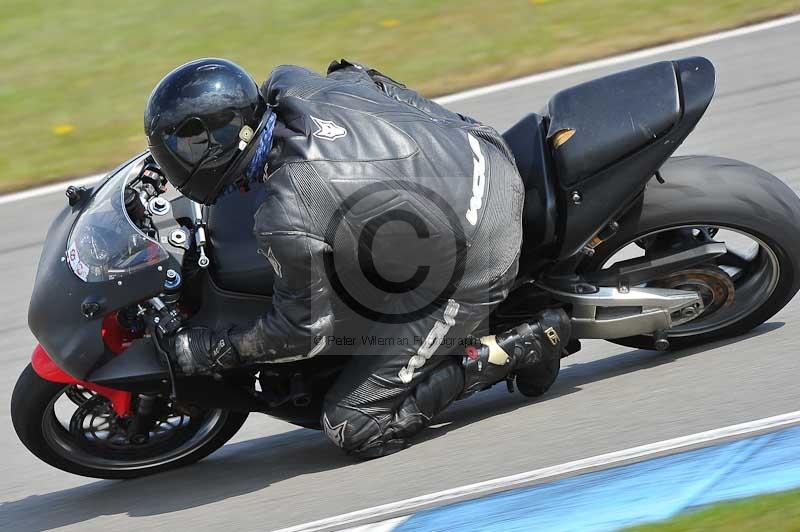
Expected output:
(335, 427)
(349, 429)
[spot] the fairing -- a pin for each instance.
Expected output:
(44, 366)
(66, 313)
(617, 173)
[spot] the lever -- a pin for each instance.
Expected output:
(200, 234)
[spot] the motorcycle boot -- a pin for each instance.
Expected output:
(527, 350)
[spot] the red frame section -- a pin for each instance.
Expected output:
(117, 340)
(115, 337)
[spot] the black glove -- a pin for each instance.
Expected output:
(198, 350)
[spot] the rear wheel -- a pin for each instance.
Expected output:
(711, 199)
(76, 430)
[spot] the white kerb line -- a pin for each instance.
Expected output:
(487, 487)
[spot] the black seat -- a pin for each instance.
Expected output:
(599, 122)
(527, 142)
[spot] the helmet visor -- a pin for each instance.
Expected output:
(199, 151)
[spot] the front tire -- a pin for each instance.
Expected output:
(33, 413)
(717, 192)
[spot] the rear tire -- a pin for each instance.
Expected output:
(32, 406)
(713, 191)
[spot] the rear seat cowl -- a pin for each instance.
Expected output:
(611, 117)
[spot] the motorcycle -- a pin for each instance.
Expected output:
(641, 248)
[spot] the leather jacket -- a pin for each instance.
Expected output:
(379, 203)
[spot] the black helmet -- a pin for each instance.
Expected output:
(199, 121)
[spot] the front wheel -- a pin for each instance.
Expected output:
(713, 199)
(77, 431)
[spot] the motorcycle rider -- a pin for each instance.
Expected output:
(383, 210)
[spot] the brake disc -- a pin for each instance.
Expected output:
(94, 421)
(714, 286)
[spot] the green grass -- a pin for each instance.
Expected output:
(75, 75)
(774, 513)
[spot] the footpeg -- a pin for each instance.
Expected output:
(661, 342)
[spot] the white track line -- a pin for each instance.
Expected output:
(489, 89)
(617, 59)
(48, 189)
(471, 491)
(383, 526)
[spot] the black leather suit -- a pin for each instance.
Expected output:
(394, 228)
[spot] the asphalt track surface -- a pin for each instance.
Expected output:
(607, 398)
